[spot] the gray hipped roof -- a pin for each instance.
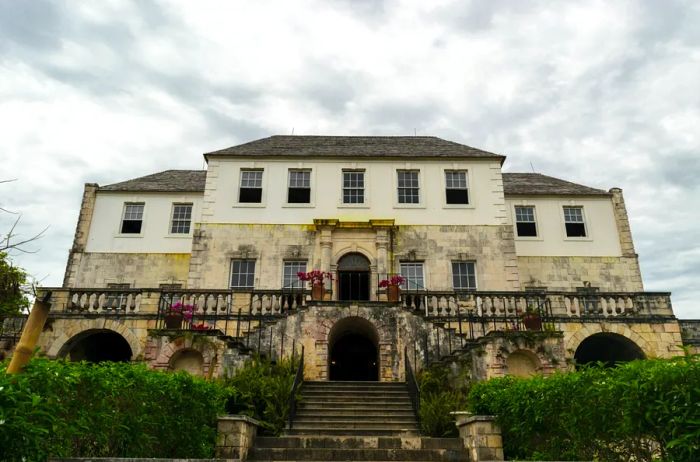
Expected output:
(167, 181)
(513, 184)
(354, 146)
(521, 184)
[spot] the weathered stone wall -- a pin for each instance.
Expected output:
(87, 207)
(614, 274)
(137, 269)
(690, 331)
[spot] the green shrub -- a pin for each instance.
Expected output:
(644, 410)
(261, 390)
(441, 394)
(63, 409)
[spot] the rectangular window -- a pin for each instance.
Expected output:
(409, 192)
(456, 191)
(413, 273)
(573, 220)
(353, 187)
(290, 280)
(463, 275)
(242, 273)
(525, 223)
(132, 218)
(181, 219)
(251, 186)
(118, 285)
(299, 191)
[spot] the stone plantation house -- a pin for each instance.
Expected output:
(478, 248)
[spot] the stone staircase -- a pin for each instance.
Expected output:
(363, 421)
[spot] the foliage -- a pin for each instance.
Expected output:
(315, 276)
(441, 394)
(643, 410)
(261, 390)
(63, 409)
(12, 279)
(395, 280)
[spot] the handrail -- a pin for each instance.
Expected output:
(298, 382)
(412, 384)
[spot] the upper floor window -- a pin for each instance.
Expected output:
(463, 275)
(574, 222)
(525, 223)
(290, 280)
(409, 190)
(456, 191)
(242, 274)
(132, 218)
(353, 187)
(181, 219)
(413, 273)
(299, 191)
(251, 186)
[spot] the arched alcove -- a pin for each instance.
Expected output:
(97, 345)
(187, 360)
(353, 350)
(608, 348)
(522, 363)
(353, 277)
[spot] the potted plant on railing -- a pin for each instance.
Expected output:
(176, 314)
(316, 277)
(531, 319)
(393, 291)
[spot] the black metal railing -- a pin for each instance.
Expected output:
(298, 382)
(412, 384)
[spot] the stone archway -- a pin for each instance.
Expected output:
(608, 348)
(589, 330)
(522, 363)
(95, 346)
(354, 277)
(353, 350)
(188, 360)
(72, 329)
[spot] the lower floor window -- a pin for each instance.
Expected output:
(290, 280)
(463, 275)
(413, 273)
(242, 273)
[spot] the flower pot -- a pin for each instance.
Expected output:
(393, 293)
(532, 321)
(173, 321)
(317, 290)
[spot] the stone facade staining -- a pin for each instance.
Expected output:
(587, 290)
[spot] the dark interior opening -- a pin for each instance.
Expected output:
(99, 346)
(250, 195)
(353, 277)
(575, 230)
(131, 226)
(607, 348)
(354, 357)
(457, 196)
(299, 196)
(526, 228)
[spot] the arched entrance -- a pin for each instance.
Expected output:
(608, 348)
(97, 345)
(353, 277)
(353, 350)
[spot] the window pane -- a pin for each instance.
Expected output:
(525, 221)
(242, 273)
(455, 179)
(413, 273)
(463, 275)
(299, 196)
(457, 196)
(526, 229)
(182, 216)
(573, 219)
(250, 195)
(408, 187)
(575, 230)
(132, 219)
(290, 279)
(525, 214)
(299, 179)
(251, 178)
(353, 187)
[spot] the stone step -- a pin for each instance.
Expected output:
(357, 403)
(332, 431)
(368, 395)
(386, 419)
(299, 454)
(354, 442)
(352, 384)
(359, 413)
(345, 406)
(352, 425)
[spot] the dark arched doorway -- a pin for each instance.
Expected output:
(607, 348)
(96, 346)
(353, 277)
(353, 351)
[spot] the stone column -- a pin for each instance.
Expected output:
(235, 436)
(382, 241)
(75, 254)
(326, 242)
(481, 436)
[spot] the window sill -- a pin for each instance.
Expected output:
(458, 206)
(298, 206)
(178, 236)
(580, 239)
(249, 205)
(409, 206)
(128, 236)
(528, 238)
(353, 206)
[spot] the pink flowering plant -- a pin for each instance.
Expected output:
(395, 280)
(187, 311)
(315, 276)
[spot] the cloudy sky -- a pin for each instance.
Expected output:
(601, 93)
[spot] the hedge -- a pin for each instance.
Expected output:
(63, 409)
(643, 410)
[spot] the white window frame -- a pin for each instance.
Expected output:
(263, 195)
(354, 168)
(296, 282)
(467, 187)
(421, 189)
(536, 237)
(231, 273)
(463, 262)
(172, 218)
(408, 283)
(586, 225)
(312, 190)
(123, 217)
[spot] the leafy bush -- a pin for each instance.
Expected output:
(441, 394)
(261, 390)
(643, 410)
(63, 409)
